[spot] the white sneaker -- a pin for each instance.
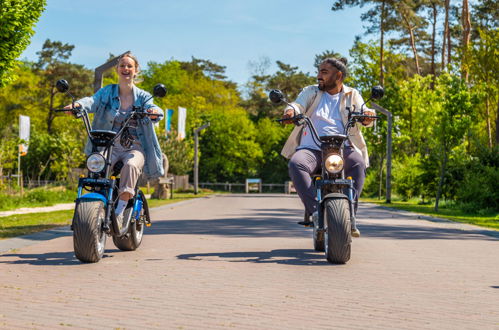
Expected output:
(119, 221)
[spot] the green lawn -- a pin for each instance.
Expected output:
(487, 220)
(22, 224)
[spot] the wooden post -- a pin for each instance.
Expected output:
(388, 150)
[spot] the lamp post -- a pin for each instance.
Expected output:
(196, 160)
(388, 150)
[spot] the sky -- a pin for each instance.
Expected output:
(232, 33)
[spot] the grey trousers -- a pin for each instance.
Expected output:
(305, 162)
(133, 163)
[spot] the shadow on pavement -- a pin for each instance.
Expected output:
(282, 223)
(47, 259)
(421, 232)
(260, 223)
(295, 257)
(415, 228)
(43, 259)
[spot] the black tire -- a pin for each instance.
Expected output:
(318, 237)
(89, 238)
(338, 237)
(133, 238)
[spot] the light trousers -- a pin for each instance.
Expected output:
(133, 162)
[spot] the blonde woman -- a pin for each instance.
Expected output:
(111, 106)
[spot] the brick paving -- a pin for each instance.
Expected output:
(240, 261)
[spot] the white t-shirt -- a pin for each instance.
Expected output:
(326, 119)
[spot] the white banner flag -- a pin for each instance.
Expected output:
(24, 126)
(182, 114)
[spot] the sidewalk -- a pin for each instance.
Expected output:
(25, 210)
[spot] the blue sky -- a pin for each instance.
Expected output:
(228, 32)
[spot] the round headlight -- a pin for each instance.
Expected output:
(96, 163)
(334, 164)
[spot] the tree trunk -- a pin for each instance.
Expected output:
(442, 176)
(51, 114)
(433, 36)
(497, 124)
(489, 128)
(413, 42)
(466, 40)
(446, 31)
(381, 45)
(449, 46)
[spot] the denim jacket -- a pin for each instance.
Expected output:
(105, 105)
(307, 102)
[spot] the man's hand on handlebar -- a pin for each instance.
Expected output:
(368, 121)
(290, 113)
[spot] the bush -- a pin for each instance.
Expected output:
(406, 174)
(480, 190)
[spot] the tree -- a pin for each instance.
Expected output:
(484, 64)
(452, 121)
(52, 65)
(17, 18)
(382, 16)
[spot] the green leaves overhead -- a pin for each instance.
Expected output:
(17, 18)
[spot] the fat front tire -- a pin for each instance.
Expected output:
(89, 238)
(338, 237)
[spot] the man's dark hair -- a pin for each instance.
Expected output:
(340, 64)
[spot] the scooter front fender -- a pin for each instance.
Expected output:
(94, 196)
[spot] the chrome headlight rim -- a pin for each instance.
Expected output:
(96, 162)
(334, 163)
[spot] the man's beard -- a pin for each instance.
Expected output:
(325, 87)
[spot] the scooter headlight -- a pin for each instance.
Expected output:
(334, 164)
(96, 163)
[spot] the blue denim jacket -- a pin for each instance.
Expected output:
(105, 104)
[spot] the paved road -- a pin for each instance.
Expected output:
(240, 261)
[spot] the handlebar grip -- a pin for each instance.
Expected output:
(61, 110)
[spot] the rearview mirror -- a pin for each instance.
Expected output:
(276, 96)
(377, 92)
(159, 90)
(62, 86)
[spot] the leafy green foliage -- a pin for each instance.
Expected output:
(17, 18)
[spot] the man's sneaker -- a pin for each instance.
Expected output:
(306, 221)
(355, 232)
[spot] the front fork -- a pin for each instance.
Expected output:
(320, 204)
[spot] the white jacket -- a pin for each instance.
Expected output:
(307, 102)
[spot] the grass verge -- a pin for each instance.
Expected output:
(488, 220)
(23, 224)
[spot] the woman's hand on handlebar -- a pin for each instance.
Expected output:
(70, 109)
(368, 121)
(153, 110)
